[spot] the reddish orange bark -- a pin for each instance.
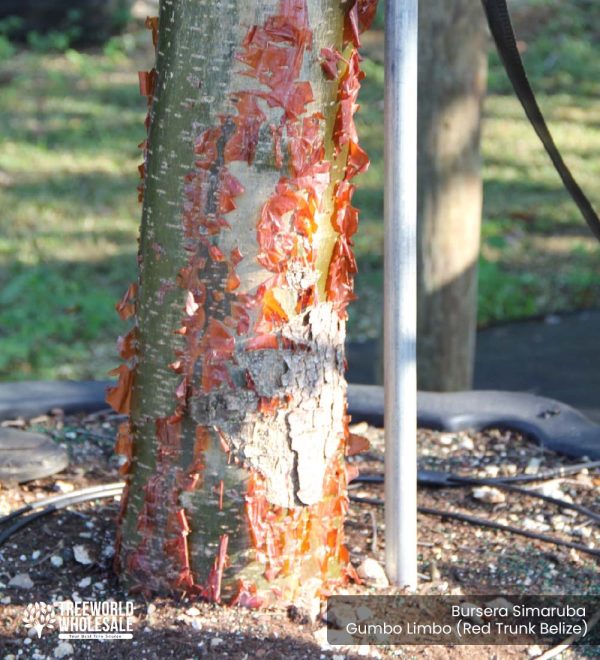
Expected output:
(291, 544)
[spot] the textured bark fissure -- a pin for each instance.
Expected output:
(238, 425)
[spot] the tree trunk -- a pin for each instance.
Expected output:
(452, 77)
(235, 445)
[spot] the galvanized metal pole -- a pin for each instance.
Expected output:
(400, 291)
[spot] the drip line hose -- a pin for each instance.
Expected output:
(434, 478)
(446, 479)
(59, 499)
(46, 506)
(561, 471)
(552, 473)
(482, 522)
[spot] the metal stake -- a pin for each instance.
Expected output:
(400, 291)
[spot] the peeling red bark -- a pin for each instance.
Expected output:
(177, 548)
(152, 24)
(119, 396)
(301, 543)
(356, 444)
(124, 447)
(147, 82)
(342, 267)
(212, 590)
(126, 306)
(292, 544)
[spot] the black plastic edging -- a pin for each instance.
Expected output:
(553, 424)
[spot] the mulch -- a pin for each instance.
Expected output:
(454, 557)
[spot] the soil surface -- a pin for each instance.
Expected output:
(68, 555)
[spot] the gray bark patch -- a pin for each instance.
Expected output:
(292, 446)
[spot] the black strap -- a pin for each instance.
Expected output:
(501, 28)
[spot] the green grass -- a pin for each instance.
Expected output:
(69, 126)
(537, 256)
(70, 123)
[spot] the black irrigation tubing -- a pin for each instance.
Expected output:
(561, 471)
(482, 522)
(51, 504)
(59, 502)
(553, 473)
(23, 522)
(592, 515)
(472, 520)
(59, 499)
(450, 480)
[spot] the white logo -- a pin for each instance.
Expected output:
(39, 616)
(83, 619)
